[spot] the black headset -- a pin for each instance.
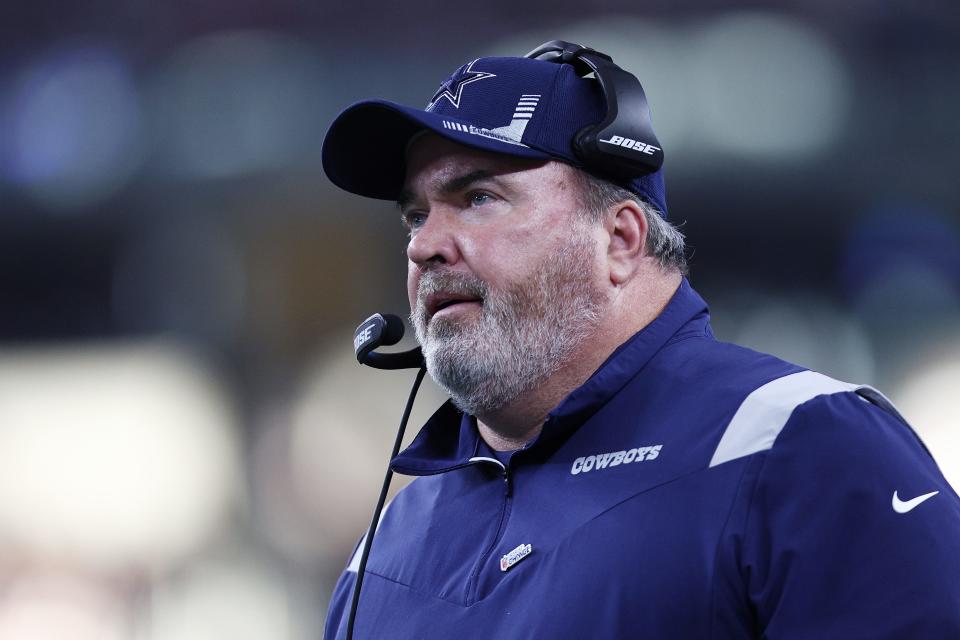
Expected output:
(623, 144)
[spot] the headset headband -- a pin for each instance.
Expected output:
(623, 143)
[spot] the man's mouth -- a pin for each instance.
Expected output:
(450, 303)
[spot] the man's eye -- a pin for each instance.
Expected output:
(414, 220)
(478, 197)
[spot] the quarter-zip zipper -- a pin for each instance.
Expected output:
(503, 468)
(473, 582)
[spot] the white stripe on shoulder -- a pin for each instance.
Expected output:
(764, 413)
(354, 565)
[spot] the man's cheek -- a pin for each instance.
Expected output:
(412, 285)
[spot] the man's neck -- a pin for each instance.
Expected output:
(519, 422)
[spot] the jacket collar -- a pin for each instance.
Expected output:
(450, 439)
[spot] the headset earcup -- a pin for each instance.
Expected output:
(584, 145)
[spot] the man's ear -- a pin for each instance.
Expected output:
(628, 237)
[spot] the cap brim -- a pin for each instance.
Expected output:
(364, 151)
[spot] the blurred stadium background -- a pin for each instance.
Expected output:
(188, 449)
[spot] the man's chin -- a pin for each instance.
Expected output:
(444, 340)
(447, 327)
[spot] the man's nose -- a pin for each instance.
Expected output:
(434, 241)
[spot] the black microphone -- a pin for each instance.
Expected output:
(384, 329)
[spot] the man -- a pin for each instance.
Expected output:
(606, 468)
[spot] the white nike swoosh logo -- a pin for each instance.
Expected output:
(901, 506)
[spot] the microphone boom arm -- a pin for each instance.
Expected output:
(384, 329)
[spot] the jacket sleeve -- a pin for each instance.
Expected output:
(830, 552)
(339, 610)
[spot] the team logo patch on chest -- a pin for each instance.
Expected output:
(585, 464)
(515, 556)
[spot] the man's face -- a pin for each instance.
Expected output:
(504, 274)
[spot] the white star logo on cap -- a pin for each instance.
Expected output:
(452, 89)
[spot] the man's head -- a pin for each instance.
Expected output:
(513, 265)
(519, 259)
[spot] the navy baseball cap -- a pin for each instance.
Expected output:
(521, 107)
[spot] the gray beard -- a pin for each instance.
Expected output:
(522, 336)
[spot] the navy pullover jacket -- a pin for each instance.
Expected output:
(689, 489)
